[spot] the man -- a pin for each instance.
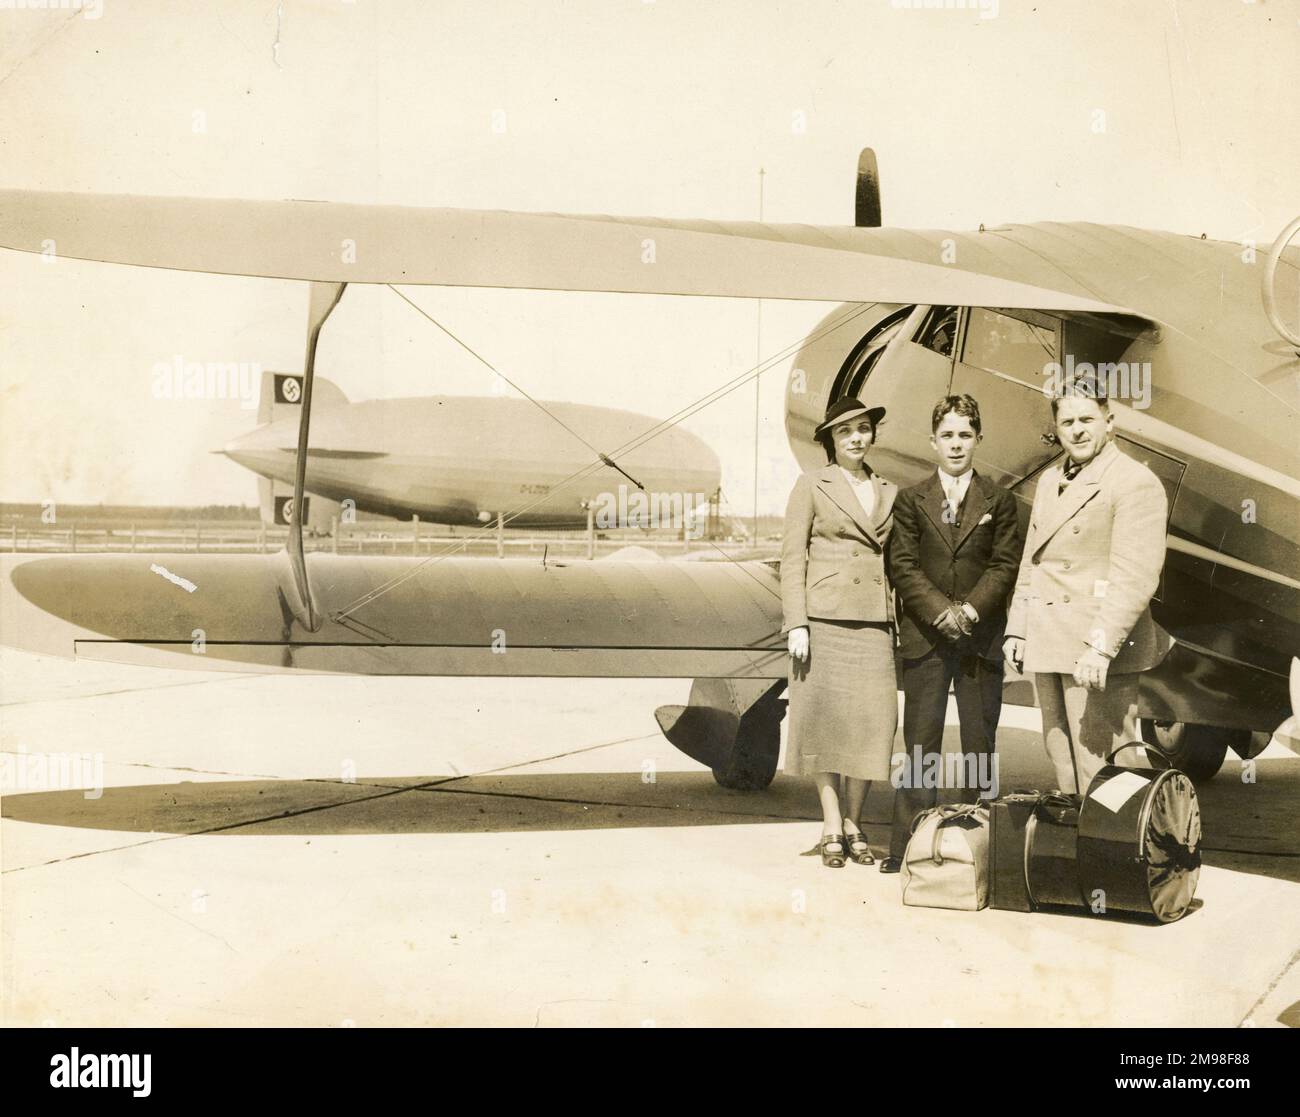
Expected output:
(952, 558)
(1080, 619)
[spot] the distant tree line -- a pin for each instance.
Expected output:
(128, 512)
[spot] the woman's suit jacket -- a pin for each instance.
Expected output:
(832, 557)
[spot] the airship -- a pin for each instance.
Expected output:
(467, 460)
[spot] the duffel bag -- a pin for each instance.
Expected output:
(947, 860)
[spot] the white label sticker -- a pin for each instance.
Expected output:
(1114, 793)
(1099, 587)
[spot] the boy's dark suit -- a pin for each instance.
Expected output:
(934, 561)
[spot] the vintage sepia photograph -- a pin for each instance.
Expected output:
(648, 514)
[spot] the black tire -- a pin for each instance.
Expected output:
(1197, 750)
(752, 765)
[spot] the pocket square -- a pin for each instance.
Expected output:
(987, 518)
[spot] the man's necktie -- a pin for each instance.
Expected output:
(1071, 472)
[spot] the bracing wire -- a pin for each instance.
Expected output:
(603, 459)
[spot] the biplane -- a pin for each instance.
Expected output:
(921, 313)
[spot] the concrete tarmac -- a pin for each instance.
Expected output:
(323, 851)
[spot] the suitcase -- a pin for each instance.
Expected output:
(1051, 852)
(1008, 817)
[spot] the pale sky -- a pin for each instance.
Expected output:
(662, 108)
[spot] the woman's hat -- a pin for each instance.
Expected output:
(848, 408)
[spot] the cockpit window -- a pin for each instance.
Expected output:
(939, 333)
(869, 351)
(1011, 346)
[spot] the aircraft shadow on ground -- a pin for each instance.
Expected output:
(1248, 827)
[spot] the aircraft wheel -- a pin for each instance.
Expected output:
(753, 761)
(1197, 750)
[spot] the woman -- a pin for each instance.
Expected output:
(840, 623)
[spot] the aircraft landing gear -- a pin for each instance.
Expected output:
(1197, 750)
(731, 725)
(753, 760)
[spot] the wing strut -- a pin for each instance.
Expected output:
(324, 298)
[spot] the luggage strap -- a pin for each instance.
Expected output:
(1152, 753)
(1056, 806)
(946, 813)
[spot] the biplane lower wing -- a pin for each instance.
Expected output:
(452, 616)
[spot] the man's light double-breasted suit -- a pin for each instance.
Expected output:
(1092, 560)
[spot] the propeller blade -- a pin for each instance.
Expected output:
(866, 209)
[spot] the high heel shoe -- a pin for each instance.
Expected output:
(832, 860)
(859, 850)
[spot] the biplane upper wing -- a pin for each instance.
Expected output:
(335, 242)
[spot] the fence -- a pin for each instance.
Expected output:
(367, 537)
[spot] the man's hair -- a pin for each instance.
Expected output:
(827, 437)
(964, 406)
(1082, 387)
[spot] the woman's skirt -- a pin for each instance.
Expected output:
(843, 701)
